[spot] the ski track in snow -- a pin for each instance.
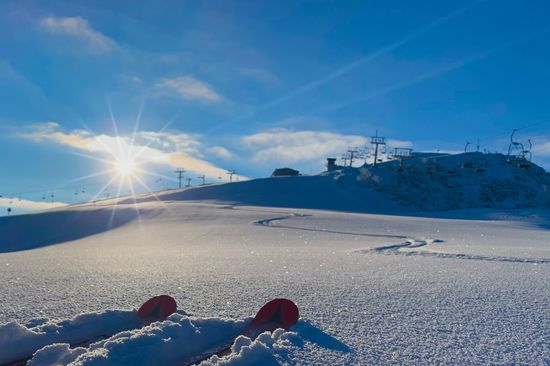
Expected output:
(268, 223)
(396, 249)
(402, 248)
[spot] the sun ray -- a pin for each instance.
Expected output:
(115, 128)
(136, 125)
(147, 172)
(115, 204)
(103, 189)
(135, 202)
(93, 175)
(155, 196)
(163, 128)
(102, 160)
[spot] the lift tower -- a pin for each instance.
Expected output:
(179, 172)
(377, 140)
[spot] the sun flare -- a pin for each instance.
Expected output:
(125, 167)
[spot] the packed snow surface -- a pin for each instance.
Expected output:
(456, 287)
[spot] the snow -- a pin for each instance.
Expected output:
(427, 182)
(175, 340)
(18, 340)
(471, 180)
(377, 284)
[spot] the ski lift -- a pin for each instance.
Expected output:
(514, 145)
(467, 164)
(527, 153)
(9, 210)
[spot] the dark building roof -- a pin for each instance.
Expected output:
(285, 172)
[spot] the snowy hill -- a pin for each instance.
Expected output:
(439, 182)
(427, 182)
(340, 192)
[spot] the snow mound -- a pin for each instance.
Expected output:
(18, 341)
(261, 351)
(177, 340)
(437, 182)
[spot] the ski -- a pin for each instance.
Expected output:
(277, 313)
(155, 309)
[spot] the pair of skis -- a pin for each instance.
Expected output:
(277, 313)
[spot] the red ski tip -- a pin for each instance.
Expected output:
(158, 308)
(278, 313)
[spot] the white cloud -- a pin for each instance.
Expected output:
(285, 145)
(78, 27)
(399, 143)
(444, 151)
(221, 151)
(167, 141)
(190, 88)
(172, 149)
(541, 147)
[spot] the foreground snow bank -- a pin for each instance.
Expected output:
(260, 351)
(18, 341)
(177, 340)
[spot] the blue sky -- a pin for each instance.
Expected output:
(255, 85)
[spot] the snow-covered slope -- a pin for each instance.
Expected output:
(428, 182)
(372, 289)
(472, 180)
(338, 191)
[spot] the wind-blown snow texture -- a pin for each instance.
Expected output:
(457, 287)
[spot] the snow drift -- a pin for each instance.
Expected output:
(177, 340)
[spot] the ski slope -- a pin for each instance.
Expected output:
(455, 287)
(376, 280)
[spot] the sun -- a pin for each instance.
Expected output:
(125, 167)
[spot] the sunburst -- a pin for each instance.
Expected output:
(124, 161)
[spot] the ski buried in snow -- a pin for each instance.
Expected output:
(277, 313)
(155, 309)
